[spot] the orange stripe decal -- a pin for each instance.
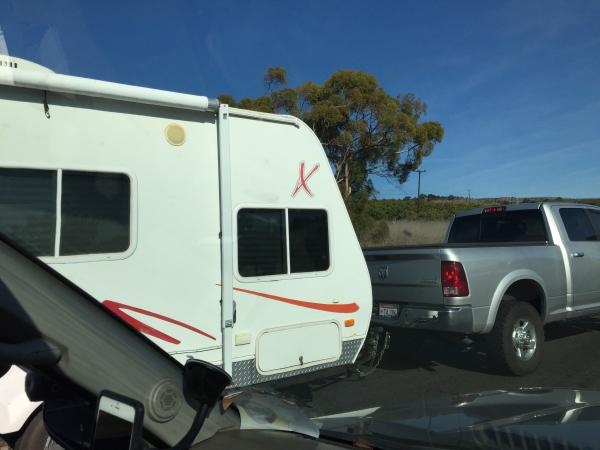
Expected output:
(336, 308)
(118, 309)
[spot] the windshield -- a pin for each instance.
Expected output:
(212, 174)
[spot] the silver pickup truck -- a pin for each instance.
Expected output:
(503, 272)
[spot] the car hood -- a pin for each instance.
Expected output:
(522, 418)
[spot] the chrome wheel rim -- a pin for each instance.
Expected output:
(524, 339)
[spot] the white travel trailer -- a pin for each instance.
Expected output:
(219, 233)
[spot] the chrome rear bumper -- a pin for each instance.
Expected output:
(457, 319)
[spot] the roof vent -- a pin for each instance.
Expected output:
(10, 62)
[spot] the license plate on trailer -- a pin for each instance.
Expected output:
(388, 310)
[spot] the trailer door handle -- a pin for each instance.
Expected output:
(578, 255)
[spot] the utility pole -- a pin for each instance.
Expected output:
(419, 183)
(469, 190)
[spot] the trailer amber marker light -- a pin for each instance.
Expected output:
(349, 322)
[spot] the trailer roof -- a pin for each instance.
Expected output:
(267, 117)
(22, 73)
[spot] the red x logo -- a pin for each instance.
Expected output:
(302, 179)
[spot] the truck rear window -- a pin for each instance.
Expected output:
(526, 225)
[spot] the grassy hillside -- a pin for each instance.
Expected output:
(409, 232)
(443, 208)
(424, 221)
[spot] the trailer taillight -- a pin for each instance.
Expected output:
(454, 280)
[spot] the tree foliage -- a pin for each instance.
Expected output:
(364, 130)
(275, 76)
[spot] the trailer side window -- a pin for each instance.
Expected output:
(94, 213)
(309, 240)
(28, 209)
(261, 242)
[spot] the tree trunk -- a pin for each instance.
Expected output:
(346, 180)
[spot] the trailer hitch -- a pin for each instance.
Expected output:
(376, 343)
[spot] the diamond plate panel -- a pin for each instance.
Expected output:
(245, 372)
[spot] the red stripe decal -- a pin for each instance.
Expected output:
(336, 308)
(118, 308)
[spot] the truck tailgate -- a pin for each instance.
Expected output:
(411, 275)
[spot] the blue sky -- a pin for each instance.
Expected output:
(516, 85)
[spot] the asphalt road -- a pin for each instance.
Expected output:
(433, 365)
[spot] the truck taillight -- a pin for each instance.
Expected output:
(454, 280)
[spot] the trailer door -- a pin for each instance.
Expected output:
(227, 305)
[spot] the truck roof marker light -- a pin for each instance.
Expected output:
(454, 280)
(494, 210)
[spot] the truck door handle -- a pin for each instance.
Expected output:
(578, 255)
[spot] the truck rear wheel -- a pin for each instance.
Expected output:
(517, 338)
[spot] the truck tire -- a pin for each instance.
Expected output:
(517, 339)
(35, 436)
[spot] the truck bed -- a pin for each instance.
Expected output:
(410, 276)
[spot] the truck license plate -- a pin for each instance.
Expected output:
(388, 310)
